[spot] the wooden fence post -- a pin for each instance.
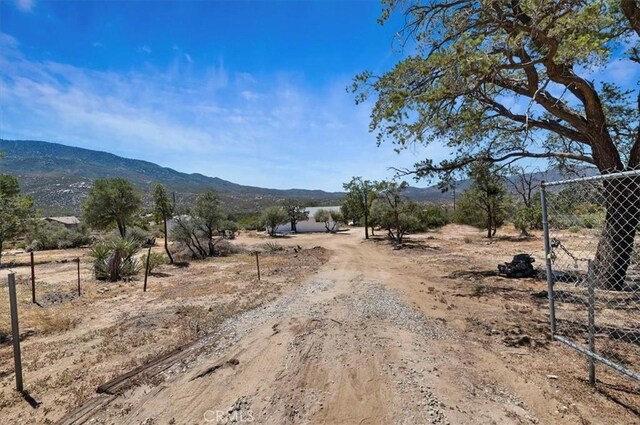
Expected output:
(15, 331)
(78, 260)
(33, 280)
(258, 265)
(146, 271)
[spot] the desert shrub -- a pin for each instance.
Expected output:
(272, 218)
(431, 217)
(526, 218)
(143, 236)
(228, 229)
(155, 259)
(250, 222)
(330, 218)
(272, 247)
(226, 248)
(49, 235)
(114, 258)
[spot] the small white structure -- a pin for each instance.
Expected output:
(310, 225)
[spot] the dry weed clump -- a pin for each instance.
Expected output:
(47, 322)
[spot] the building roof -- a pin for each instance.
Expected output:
(69, 220)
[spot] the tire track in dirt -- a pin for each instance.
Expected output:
(340, 349)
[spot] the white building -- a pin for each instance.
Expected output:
(310, 225)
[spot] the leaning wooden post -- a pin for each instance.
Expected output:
(33, 280)
(146, 271)
(15, 331)
(258, 265)
(78, 261)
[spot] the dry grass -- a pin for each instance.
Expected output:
(71, 345)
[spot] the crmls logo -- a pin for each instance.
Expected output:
(222, 417)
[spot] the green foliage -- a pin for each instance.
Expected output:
(111, 202)
(144, 237)
(483, 205)
(249, 221)
(9, 185)
(113, 258)
(472, 60)
(393, 212)
(330, 218)
(228, 229)
(162, 206)
(526, 218)
(202, 227)
(358, 200)
(296, 210)
(273, 217)
(45, 235)
(156, 259)
(272, 247)
(16, 211)
(431, 217)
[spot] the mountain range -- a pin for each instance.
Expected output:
(59, 177)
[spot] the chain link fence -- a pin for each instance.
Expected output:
(592, 247)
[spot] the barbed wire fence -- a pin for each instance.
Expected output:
(592, 246)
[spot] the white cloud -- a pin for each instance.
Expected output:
(144, 49)
(25, 5)
(267, 131)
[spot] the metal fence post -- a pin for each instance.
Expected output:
(15, 331)
(592, 326)
(78, 261)
(33, 280)
(146, 270)
(258, 265)
(547, 255)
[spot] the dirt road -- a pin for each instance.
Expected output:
(363, 341)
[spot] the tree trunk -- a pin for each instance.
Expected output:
(122, 228)
(372, 232)
(615, 248)
(1, 244)
(166, 242)
(366, 225)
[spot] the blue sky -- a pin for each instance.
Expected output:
(248, 91)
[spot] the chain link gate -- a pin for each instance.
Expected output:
(592, 248)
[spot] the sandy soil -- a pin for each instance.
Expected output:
(426, 334)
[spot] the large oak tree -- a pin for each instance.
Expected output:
(504, 80)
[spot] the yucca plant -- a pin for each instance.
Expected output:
(114, 258)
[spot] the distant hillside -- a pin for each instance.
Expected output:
(59, 177)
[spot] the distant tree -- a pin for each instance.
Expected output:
(208, 216)
(471, 61)
(360, 195)
(200, 228)
(296, 210)
(9, 185)
(163, 210)
(16, 211)
(330, 218)
(394, 212)
(273, 217)
(112, 202)
(486, 196)
(527, 214)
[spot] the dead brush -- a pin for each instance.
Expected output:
(47, 322)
